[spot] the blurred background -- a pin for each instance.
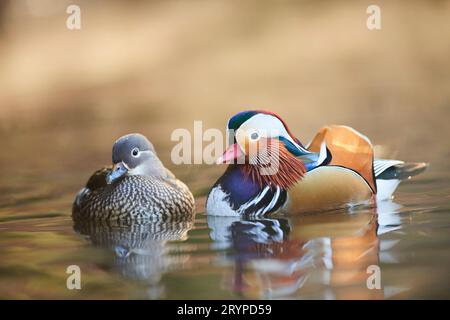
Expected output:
(154, 66)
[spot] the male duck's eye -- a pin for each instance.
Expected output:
(135, 152)
(254, 136)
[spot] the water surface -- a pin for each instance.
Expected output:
(315, 256)
(155, 66)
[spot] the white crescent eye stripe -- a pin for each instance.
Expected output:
(140, 152)
(272, 126)
(135, 152)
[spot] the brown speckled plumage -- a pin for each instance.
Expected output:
(132, 198)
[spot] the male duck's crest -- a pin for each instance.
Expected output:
(336, 169)
(271, 154)
(137, 187)
(268, 123)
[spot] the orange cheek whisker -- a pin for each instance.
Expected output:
(289, 171)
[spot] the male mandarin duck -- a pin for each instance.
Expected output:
(138, 187)
(271, 171)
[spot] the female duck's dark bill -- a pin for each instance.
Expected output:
(233, 152)
(118, 170)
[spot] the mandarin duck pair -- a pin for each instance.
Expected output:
(269, 171)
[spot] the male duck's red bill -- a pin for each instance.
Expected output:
(231, 154)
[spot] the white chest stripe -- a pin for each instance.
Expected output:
(217, 203)
(274, 200)
(254, 201)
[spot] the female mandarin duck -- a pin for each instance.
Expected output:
(271, 171)
(138, 187)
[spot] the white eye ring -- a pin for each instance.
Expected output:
(135, 152)
(254, 136)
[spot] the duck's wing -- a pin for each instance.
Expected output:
(396, 169)
(389, 174)
(98, 179)
(349, 149)
(95, 182)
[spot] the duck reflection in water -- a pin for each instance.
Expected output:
(140, 249)
(319, 256)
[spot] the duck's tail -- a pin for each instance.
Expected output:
(389, 174)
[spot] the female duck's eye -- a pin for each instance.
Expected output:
(254, 136)
(135, 152)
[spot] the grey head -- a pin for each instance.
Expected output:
(133, 154)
